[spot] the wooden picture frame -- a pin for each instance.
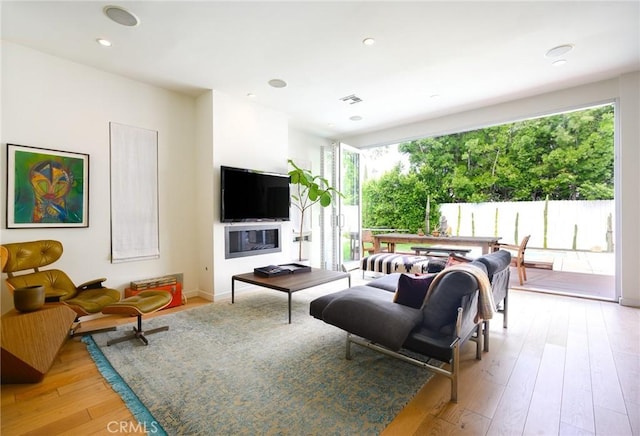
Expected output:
(46, 188)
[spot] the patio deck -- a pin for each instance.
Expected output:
(577, 284)
(584, 274)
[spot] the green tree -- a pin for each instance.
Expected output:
(396, 201)
(563, 157)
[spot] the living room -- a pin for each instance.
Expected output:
(217, 129)
(52, 102)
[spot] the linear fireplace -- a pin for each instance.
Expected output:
(251, 240)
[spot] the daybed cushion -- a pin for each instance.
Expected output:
(412, 289)
(434, 344)
(388, 282)
(371, 313)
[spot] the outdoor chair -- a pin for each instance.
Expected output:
(368, 249)
(517, 259)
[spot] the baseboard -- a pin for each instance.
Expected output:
(198, 293)
(630, 302)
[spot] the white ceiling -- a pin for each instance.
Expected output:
(469, 53)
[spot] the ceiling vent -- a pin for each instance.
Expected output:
(351, 99)
(121, 16)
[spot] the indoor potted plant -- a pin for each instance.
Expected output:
(307, 191)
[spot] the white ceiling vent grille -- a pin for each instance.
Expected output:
(351, 99)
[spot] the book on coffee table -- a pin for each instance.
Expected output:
(278, 270)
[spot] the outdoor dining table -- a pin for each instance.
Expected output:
(486, 243)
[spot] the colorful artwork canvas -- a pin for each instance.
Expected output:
(46, 188)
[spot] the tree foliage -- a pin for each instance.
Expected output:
(565, 157)
(396, 196)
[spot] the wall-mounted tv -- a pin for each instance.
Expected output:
(250, 195)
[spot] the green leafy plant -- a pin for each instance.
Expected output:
(308, 190)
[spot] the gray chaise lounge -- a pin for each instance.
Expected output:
(437, 329)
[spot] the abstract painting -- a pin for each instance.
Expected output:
(46, 188)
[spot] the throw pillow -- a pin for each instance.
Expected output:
(454, 259)
(412, 290)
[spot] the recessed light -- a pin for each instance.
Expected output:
(251, 95)
(434, 96)
(559, 62)
(356, 118)
(559, 50)
(103, 42)
(121, 16)
(277, 83)
(368, 41)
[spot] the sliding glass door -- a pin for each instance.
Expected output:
(341, 166)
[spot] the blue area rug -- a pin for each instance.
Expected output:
(228, 369)
(139, 410)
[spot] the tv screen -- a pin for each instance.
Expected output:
(250, 195)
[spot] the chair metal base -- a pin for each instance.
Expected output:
(454, 364)
(138, 333)
(73, 332)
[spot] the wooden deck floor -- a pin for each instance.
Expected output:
(586, 285)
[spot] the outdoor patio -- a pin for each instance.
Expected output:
(584, 274)
(578, 273)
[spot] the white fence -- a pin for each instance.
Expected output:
(580, 225)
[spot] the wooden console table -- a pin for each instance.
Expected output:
(31, 341)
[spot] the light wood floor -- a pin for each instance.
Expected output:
(564, 366)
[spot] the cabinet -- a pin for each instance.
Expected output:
(31, 341)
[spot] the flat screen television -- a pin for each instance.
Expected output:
(250, 195)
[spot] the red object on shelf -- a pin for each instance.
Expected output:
(176, 292)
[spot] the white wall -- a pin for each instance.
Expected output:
(589, 217)
(245, 135)
(305, 150)
(205, 185)
(628, 190)
(53, 103)
(625, 91)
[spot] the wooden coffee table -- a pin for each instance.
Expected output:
(290, 283)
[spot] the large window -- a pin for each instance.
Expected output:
(567, 156)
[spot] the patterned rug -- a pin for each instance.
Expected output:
(231, 369)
